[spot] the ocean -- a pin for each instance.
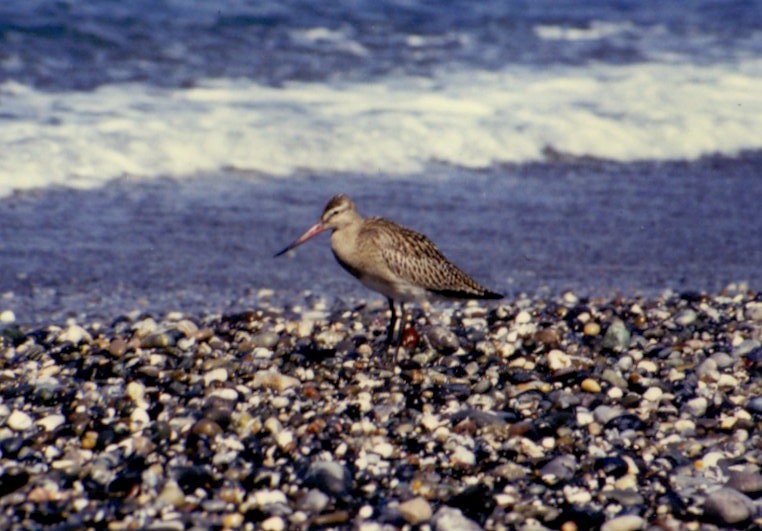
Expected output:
(154, 155)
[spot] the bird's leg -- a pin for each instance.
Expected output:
(401, 335)
(392, 322)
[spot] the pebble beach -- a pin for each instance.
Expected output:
(557, 412)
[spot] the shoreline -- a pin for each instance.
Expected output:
(535, 411)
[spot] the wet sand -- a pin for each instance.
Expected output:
(206, 244)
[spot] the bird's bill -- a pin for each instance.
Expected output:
(313, 231)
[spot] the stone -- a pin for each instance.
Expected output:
(51, 422)
(330, 477)
(442, 339)
(696, 407)
(313, 501)
(747, 482)
(74, 334)
(686, 317)
(219, 374)
(728, 507)
(559, 469)
(416, 510)
(275, 380)
(172, 494)
(591, 328)
(617, 336)
(450, 519)
(19, 421)
(590, 386)
(627, 522)
(558, 360)
(274, 523)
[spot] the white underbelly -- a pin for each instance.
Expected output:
(399, 291)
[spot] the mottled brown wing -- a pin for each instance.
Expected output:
(414, 258)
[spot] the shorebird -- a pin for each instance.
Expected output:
(398, 262)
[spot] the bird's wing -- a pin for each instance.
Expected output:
(413, 258)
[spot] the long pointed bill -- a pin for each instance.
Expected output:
(313, 231)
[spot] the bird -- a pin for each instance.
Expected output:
(396, 261)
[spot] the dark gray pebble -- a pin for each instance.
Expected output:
(727, 506)
(330, 477)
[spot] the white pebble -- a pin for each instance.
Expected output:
(19, 421)
(627, 522)
(284, 439)
(74, 334)
(263, 498)
(615, 393)
(577, 495)
(558, 360)
(216, 375)
(697, 406)
(430, 422)
(712, 458)
(136, 391)
(225, 393)
(384, 449)
(139, 419)
(523, 317)
(274, 523)
(653, 394)
(279, 402)
(7, 316)
(584, 417)
(462, 456)
(51, 422)
(416, 511)
(647, 366)
(274, 380)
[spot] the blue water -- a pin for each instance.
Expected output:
(66, 45)
(607, 136)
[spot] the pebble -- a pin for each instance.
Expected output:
(274, 523)
(561, 468)
(728, 507)
(216, 375)
(449, 519)
(696, 407)
(330, 477)
(617, 336)
(274, 380)
(558, 360)
(172, 494)
(653, 394)
(416, 511)
(747, 482)
(686, 317)
(463, 457)
(507, 414)
(589, 385)
(591, 328)
(627, 522)
(314, 501)
(51, 422)
(18, 421)
(442, 339)
(7, 317)
(74, 334)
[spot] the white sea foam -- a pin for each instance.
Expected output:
(594, 31)
(467, 118)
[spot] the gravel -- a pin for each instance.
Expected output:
(564, 412)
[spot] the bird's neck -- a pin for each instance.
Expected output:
(344, 238)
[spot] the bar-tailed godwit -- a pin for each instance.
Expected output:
(391, 259)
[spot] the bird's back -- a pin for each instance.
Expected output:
(410, 257)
